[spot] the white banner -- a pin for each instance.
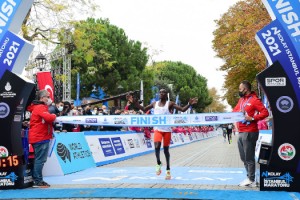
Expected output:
(153, 120)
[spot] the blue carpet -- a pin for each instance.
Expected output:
(146, 193)
(140, 175)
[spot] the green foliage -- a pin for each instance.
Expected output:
(46, 17)
(216, 104)
(185, 81)
(104, 56)
(234, 41)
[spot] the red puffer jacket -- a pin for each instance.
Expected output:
(40, 122)
(252, 106)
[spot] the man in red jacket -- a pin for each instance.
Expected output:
(254, 110)
(40, 133)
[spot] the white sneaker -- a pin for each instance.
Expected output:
(253, 184)
(245, 183)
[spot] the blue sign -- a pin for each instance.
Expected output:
(8, 9)
(148, 142)
(277, 46)
(107, 147)
(10, 48)
(288, 14)
(118, 146)
(73, 152)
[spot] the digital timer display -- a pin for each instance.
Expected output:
(10, 161)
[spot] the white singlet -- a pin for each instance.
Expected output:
(162, 111)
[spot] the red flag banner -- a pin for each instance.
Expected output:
(45, 82)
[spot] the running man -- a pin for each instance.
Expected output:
(162, 107)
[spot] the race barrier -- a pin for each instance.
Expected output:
(75, 151)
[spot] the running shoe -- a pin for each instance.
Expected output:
(168, 175)
(41, 184)
(158, 169)
(246, 183)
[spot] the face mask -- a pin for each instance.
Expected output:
(241, 94)
(49, 102)
(60, 108)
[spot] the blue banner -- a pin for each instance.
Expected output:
(277, 46)
(73, 153)
(118, 146)
(288, 14)
(10, 48)
(107, 147)
(8, 10)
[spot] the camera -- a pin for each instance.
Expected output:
(136, 96)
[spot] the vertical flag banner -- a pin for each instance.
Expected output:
(142, 93)
(45, 82)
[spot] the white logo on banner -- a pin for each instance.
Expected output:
(279, 81)
(285, 104)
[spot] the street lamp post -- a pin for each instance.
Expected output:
(40, 61)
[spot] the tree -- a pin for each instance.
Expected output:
(234, 42)
(216, 104)
(104, 56)
(46, 17)
(185, 81)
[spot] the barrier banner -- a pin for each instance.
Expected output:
(45, 82)
(14, 53)
(153, 120)
(281, 171)
(12, 14)
(69, 153)
(277, 46)
(288, 14)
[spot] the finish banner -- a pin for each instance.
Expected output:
(287, 12)
(153, 120)
(277, 46)
(14, 53)
(12, 14)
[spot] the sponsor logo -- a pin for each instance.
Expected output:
(8, 179)
(17, 118)
(286, 151)
(4, 110)
(8, 93)
(3, 152)
(284, 104)
(180, 120)
(91, 120)
(276, 179)
(130, 142)
(276, 82)
(211, 118)
(227, 117)
(197, 119)
(120, 120)
(63, 152)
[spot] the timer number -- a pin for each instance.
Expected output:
(270, 40)
(10, 161)
(13, 49)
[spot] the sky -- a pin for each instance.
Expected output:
(172, 30)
